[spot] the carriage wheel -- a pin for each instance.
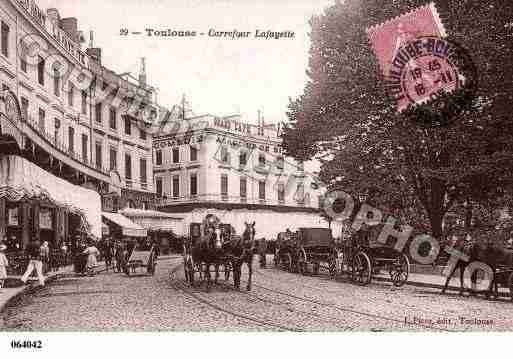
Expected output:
(510, 282)
(400, 270)
(302, 264)
(361, 269)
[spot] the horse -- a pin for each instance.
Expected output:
(488, 253)
(242, 250)
(208, 251)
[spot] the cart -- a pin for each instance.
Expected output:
(307, 247)
(361, 259)
(141, 257)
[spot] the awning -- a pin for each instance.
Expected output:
(128, 228)
(20, 179)
(155, 221)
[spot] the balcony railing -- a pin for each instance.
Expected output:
(61, 147)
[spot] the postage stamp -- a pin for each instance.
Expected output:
(412, 56)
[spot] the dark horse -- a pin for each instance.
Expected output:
(491, 254)
(208, 252)
(242, 250)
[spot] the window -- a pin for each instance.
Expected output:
(56, 81)
(280, 162)
(142, 135)
(243, 188)
(158, 185)
(41, 122)
(112, 118)
(194, 154)
(194, 185)
(281, 192)
(176, 155)
(128, 166)
(84, 102)
(158, 157)
(98, 149)
(5, 39)
(56, 127)
(84, 147)
(41, 71)
(128, 126)
(113, 157)
(71, 94)
(23, 57)
(98, 112)
(225, 155)
(300, 193)
(261, 160)
(24, 108)
(176, 186)
(261, 190)
(224, 186)
(142, 170)
(243, 159)
(71, 140)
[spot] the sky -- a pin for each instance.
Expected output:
(217, 76)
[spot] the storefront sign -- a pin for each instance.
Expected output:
(45, 218)
(178, 141)
(228, 124)
(13, 217)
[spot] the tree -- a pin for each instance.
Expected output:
(345, 119)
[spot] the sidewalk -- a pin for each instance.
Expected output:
(435, 281)
(7, 294)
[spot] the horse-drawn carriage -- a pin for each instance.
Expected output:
(213, 247)
(141, 255)
(362, 256)
(308, 246)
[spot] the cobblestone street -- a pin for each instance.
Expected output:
(278, 301)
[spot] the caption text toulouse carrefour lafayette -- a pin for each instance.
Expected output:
(232, 34)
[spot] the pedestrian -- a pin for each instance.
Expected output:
(262, 250)
(4, 263)
(119, 255)
(108, 253)
(45, 256)
(92, 253)
(33, 251)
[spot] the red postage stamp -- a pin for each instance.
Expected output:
(415, 70)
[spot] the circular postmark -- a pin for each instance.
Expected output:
(433, 80)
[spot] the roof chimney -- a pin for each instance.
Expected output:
(94, 52)
(142, 75)
(70, 27)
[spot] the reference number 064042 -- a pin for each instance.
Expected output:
(26, 344)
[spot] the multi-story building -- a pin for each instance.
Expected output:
(235, 170)
(78, 120)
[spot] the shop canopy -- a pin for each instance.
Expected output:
(155, 221)
(128, 228)
(21, 179)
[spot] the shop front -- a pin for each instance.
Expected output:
(36, 205)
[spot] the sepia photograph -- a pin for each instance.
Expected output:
(254, 167)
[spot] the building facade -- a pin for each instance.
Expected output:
(79, 120)
(236, 171)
